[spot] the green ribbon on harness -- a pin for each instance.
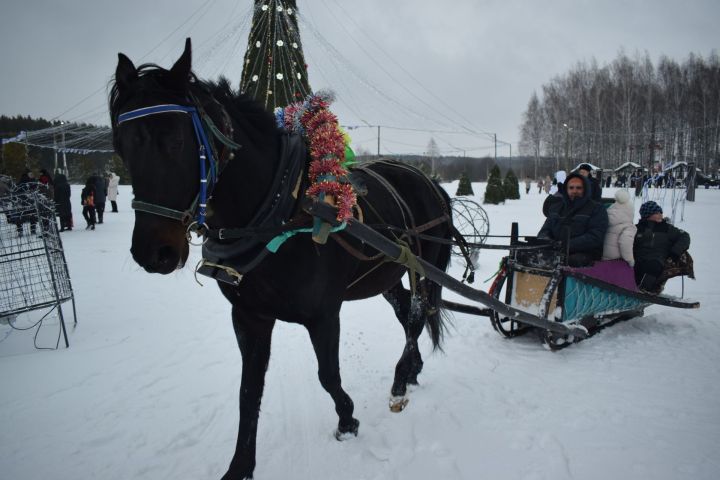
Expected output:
(275, 244)
(411, 262)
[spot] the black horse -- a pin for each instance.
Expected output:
(304, 282)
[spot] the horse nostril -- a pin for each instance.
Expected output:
(167, 259)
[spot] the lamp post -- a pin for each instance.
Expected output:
(55, 169)
(64, 169)
(567, 146)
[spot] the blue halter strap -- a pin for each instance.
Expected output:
(208, 176)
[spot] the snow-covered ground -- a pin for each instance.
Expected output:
(148, 388)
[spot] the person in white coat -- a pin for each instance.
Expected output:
(112, 190)
(621, 230)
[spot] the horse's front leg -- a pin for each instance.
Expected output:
(254, 335)
(325, 337)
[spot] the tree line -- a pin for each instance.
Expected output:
(628, 110)
(449, 168)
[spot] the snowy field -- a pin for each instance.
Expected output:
(148, 388)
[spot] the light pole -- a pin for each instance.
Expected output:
(567, 146)
(65, 169)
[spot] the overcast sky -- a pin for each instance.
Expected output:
(443, 66)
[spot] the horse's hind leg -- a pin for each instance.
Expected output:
(325, 337)
(410, 310)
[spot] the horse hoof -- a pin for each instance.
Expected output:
(342, 436)
(347, 432)
(398, 404)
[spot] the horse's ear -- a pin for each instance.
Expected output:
(180, 72)
(125, 73)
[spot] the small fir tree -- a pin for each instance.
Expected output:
(494, 193)
(465, 186)
(511, 186)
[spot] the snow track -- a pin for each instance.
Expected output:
(148, 389)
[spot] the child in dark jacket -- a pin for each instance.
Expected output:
(88, 202)
(656, 241)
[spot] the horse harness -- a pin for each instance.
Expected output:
(410, 229)
(211, 164)
(229, 253)
(409, 232)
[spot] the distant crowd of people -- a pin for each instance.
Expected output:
(97, 191)
(636, 181)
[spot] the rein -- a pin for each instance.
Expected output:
(209, 163)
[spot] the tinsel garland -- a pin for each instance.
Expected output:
(327, 144)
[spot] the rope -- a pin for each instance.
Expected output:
(411, 262)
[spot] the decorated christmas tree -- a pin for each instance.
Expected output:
(494, 193)
(511, 186)
(274, 69)
(464, 187)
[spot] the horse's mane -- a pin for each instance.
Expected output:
(249, 114)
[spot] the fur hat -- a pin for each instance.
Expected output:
(622, 197)
(585, 166)
(649, 208)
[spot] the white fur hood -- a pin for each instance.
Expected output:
(621, 212)
(621, 229)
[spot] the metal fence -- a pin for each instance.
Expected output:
(33, 269)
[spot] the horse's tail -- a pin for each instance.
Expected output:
(436, 317)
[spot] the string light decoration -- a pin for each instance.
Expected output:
(274, 69)
(329, 149)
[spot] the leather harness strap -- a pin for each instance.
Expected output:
(413, 232)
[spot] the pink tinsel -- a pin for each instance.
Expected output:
(327, 150)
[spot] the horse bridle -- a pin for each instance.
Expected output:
(194, 216)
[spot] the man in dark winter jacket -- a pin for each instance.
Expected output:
(579, 219)
(595, 188)
(100, 188)
(62, 202)
(655, 241)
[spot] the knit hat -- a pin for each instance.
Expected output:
(649, 208)
(585, 166)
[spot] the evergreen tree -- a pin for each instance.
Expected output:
(16, 159)
(117, 166)
(464, 187)
(494, 193)
(274, 70)
(511, 186)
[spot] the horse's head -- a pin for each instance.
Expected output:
(161, 153)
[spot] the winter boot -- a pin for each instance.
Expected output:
(648, 283)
